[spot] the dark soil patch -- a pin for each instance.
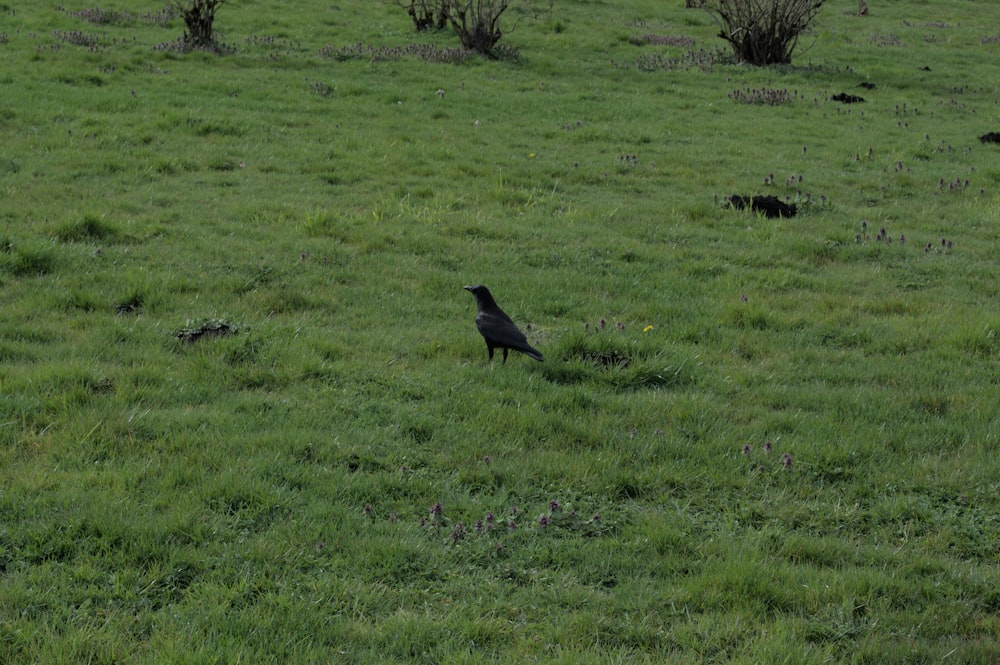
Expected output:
(845, 98)
(867, 85)
(131, 306)
(769, 206)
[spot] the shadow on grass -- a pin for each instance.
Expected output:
(26, 260)
(89, 228)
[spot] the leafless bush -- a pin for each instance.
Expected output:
(199, 17)
(427, 14)
(763, 32)
(477, 22)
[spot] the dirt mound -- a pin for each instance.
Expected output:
(845, 98)
(769, 206)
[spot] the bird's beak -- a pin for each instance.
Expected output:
(467, 288)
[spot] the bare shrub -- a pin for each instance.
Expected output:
(199, 17)
(427, 14)
(477, 22)
(763, 32)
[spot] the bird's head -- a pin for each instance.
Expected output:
(482, 294)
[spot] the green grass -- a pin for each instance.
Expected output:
(780, 446)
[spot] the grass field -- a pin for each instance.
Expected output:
(246, 415)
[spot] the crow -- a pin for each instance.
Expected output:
(497, 328)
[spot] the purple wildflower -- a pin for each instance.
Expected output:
(457, 533)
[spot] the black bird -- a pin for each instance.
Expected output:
(497, 328)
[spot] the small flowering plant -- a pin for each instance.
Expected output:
(762, 459)
(503, 531)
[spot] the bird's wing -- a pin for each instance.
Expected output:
(500, 330)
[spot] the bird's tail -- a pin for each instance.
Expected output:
(534, 353)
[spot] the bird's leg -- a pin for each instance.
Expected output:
(504, 355)
(490, 349)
